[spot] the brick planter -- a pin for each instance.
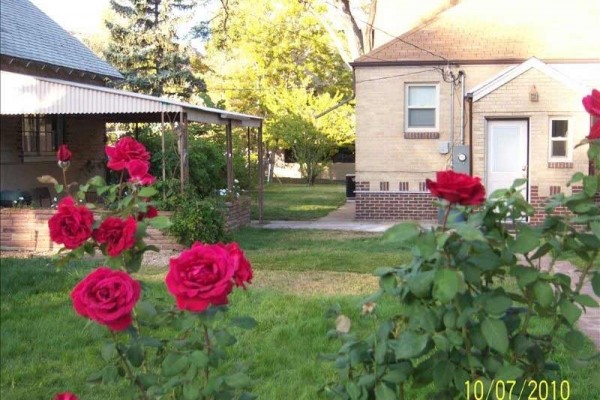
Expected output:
(27, 228)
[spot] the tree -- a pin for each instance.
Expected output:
(145, 47)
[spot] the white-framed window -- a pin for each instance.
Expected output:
(560, 136)
(422, 107)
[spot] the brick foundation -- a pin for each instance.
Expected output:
(27, 229)
(393, 205)
(539, 203)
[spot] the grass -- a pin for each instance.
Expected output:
(47, 348)
(314, 250)
(298, 202)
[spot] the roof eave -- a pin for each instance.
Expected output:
(419, 63)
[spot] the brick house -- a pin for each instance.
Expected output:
(54, 91)
(487, 87)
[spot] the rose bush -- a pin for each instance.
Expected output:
(457, 188)
(200, 279)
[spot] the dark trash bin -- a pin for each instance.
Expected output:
(11, 198)
(350, 186)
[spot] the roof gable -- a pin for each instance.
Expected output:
(502, 78)
(29, 34)
(510, 31)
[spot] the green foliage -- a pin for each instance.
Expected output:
(199, 219)
(470, 295)
(145, 48)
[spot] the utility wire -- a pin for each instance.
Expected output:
(397, 76)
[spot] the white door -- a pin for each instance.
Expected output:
(507, 153)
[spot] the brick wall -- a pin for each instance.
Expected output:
(378, 205)
(27, 229)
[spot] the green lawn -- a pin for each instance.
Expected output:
(46, 348)
(298, 202)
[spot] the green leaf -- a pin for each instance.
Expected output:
(595, 226)
(446, 285)
(383, 392)
(160, 222)
(199, 358)
(97, 181)
(146, 310)
(244, 322)
(497, 304)
(147, 191)
(420, 284)
(442, 374)
(174, 364)
(108, 351)
(596, 283)
(585, 300)
(401, 233)
(543, 293)
(574, 340)
(508, 372)
(110, 373)
(135, 355)
(578, 176)
(238, 380)
(409, 344)
(495, 334)
(191, 391)
(470, 233)
(524, 275)
(569, 310)
(527, 239)
(94, 377)
(59, 188)
(590, 185)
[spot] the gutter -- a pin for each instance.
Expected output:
(470, 100)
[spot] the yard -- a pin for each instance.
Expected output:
(46, 347)
(299, 202)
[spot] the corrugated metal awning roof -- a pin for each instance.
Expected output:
(26, 94)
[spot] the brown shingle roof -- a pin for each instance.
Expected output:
(500, 30)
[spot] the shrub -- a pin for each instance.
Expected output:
(199, 219)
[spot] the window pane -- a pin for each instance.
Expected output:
(421, 118)
(421, 96)
(559, 148)
(560, 128)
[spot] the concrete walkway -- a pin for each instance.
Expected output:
(342, 219)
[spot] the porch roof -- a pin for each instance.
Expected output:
(26, 94)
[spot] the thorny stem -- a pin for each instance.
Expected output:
(64, 171)
(121, 185)
(446, 214)
(127, 367)
(466, 340)
(208, 350)
(585, 272)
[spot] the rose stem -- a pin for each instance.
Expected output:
(127, 366)
(64, 171)
(446, 214)
(208, 350)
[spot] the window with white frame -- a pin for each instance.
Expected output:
(421, 107)
(560, 139)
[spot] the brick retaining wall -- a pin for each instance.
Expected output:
(27, 228)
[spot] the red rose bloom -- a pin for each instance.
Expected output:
(117, 233)
(151, 212)
(457, 188)
(124, 151)
(71, 225)
(65, 396)
(63, 154)
(200, 277)
(591, 103)
(243, 269)
(138, 173)
(107, 297)
(595, 131)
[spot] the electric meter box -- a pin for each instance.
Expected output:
(444, 147)
(460, 159)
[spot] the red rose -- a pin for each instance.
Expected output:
(595, 131)
(138, 172)
(201, 276)
(71, 225)
(65, 396)
(591, 103)
(243, 269)
(457, 188)
(117, 233)
(107, 297)
(151, 212)
(124, 151)
(63, 154)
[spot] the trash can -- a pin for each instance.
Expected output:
(350, 186)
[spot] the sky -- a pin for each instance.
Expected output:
(79, 16)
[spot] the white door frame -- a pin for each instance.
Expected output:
(489, 121)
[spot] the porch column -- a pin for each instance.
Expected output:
(162, 143)
(261, 174)
(229, 139)
(184, 170)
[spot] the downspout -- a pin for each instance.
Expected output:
(345, 101)
(470, 100)
(452, 123)
(461, 73)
